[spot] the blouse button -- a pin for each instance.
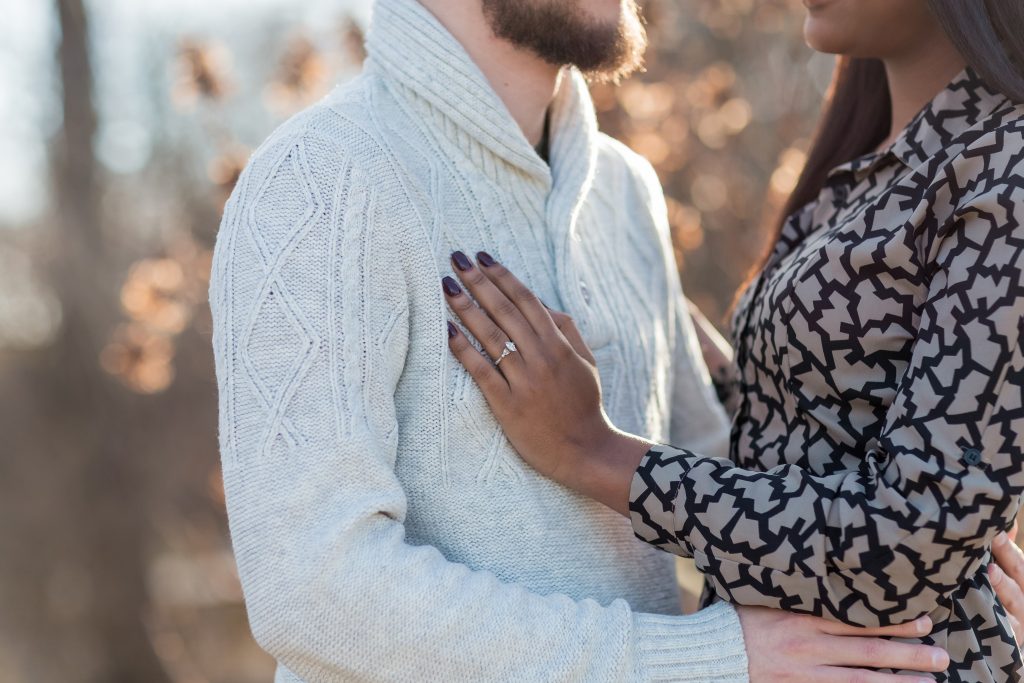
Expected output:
(972, 456)
(585, 292)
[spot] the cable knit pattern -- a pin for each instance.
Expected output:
(384, 528)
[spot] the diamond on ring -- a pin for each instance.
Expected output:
(509, 349)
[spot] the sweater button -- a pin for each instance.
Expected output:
(585, 292)
(972, 456)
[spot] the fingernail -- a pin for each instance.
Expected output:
(924, 624)
(1001, 538)
(451, 287)
(462, 261)
(995, 574)
(452, 330)
(485, 259)
(940, 659)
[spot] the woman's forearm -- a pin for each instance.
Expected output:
(605, 474)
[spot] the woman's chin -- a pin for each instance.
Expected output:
(826, 39)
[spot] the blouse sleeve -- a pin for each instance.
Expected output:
(883, 543)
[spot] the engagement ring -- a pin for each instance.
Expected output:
(510, 348)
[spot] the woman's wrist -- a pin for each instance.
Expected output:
(605, 472)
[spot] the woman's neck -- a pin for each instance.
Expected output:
(916, 77)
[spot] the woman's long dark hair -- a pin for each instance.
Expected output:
(989, 34)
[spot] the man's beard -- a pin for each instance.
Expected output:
(561, 33)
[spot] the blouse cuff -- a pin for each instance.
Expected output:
(652, 497)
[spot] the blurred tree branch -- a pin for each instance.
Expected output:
(100, 536)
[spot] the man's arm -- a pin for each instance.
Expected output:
(698, 419)
(308, 431)
(718, 357)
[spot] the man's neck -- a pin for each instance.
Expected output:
(523, 81)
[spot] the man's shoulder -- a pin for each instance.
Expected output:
(631, 180)
(328, 165)
(618, 163)
(339, 139)
(341, 121)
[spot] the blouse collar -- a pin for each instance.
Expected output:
(939, 126)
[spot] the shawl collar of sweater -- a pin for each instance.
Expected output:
(414, 51)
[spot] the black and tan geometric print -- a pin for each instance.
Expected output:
(877, 448)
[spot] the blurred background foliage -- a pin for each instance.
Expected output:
(126, 130)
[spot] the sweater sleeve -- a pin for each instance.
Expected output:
(698, 419)
(885, 542)
(311, 327)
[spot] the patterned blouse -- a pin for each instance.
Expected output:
(877, 447)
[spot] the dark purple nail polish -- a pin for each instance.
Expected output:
(485, 259)
(452, 330)
(451, 287)
(462, 261)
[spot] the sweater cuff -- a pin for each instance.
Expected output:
(652, 498)
(705, 647)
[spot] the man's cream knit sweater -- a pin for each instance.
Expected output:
(384, 528)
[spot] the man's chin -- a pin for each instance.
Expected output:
(628, 43)
(605, 12)
(561, 33)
